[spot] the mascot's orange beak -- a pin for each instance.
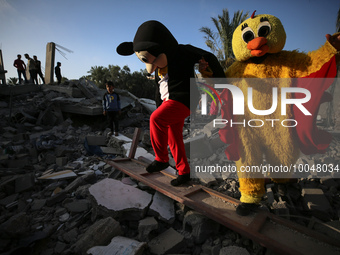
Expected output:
(258, 46)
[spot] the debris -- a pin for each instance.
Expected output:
(122, 200)
(119, 245)
(48, 171)
(168, 242)
(163, 207)
(100, 233)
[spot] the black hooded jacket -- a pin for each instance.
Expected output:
(154, 37)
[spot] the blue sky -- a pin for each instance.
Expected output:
(93, 29)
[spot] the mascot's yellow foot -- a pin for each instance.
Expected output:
(244, 209)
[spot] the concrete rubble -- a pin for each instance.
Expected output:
(59, 196)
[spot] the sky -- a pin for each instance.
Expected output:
(93, 29)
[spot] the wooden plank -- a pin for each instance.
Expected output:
(135, 142)
(277, 234)
(58, 175)
(258, 222)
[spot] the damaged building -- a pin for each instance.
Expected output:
(59, 194)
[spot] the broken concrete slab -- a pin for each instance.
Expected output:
(148, 104)
(201, 226)
(119, 245)
(110, 150)
(100, 233)
(38, 204)
(169, 241)
(81, 180)
(146, 227)
(24, 182)
(235, 250)
(71, 91)
(9, 199)
(121, 200)
(58, 175)
(18, 89)
(82, 87)
(16, 226)
(77, 205)
(163, 207)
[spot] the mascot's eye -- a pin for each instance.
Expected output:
(248, 34)
(264, 29)
(145, 60)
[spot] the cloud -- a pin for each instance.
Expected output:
(5, 7)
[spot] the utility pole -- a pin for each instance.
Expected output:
(50, 59)
(2, 70)
(49, 63)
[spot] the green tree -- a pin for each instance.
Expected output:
(220, 42)
(99, 75)
(137, 83)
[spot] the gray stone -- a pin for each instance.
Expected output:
(145, 227)
(8, 200)
(71, 236)
(16, 225)
(123, 201)
(169, 241)
(163, 207)
(61, 161)
(24, 182)
(50, 159)
(56, 198)
(77, 206)
(38, 204)
(119, 245)
(234, 250)
(100, 233)
(78, 182)
(59, 248)
(201, 226)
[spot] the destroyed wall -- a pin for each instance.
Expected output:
(57, 196)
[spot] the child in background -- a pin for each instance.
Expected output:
(111, 107)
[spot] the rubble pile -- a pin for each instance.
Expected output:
(58, 195)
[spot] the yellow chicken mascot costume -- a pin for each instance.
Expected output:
(257, 45)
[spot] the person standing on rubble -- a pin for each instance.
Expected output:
(58, 72)
(21, 68)
(38, 68)
(111, 107)
(31, 68)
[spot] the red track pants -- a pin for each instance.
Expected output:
(166, 128)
